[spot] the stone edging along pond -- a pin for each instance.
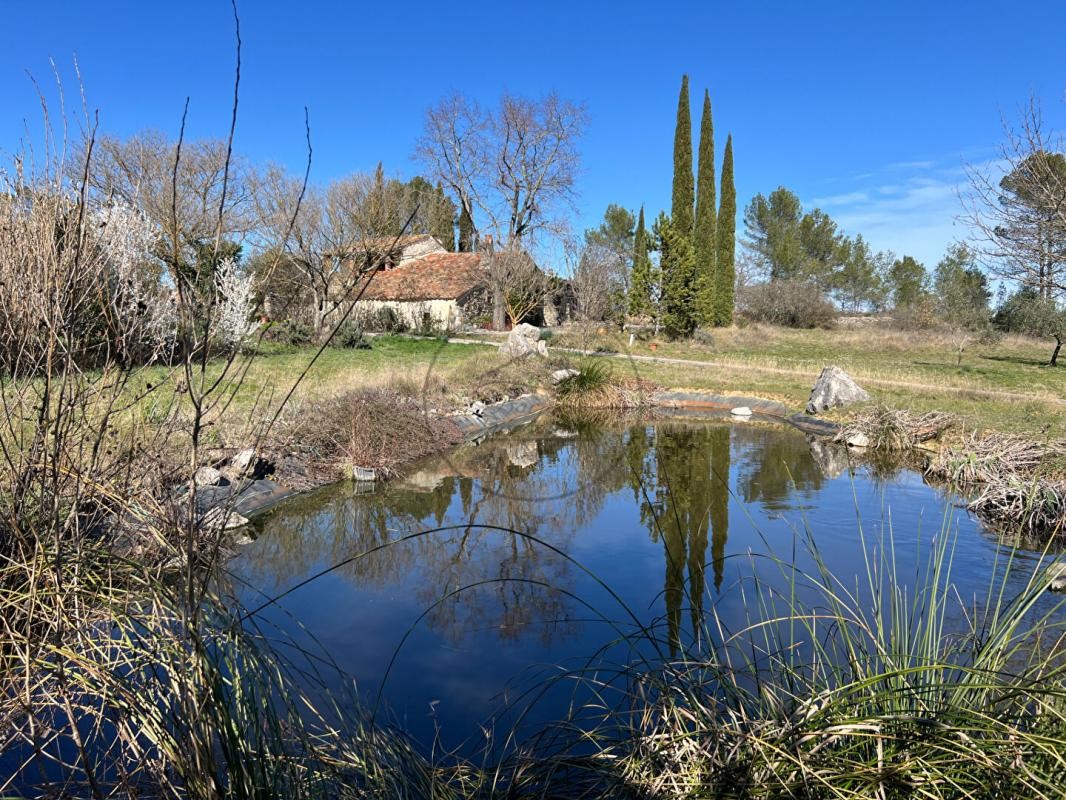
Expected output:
(262, 495)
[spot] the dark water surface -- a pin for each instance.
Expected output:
(675, 517)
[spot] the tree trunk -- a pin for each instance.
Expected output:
(1055, 353)
(499, 308)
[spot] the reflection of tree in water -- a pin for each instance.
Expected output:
(772, 467)
(542, 486)
(683, 490)
(548, 485)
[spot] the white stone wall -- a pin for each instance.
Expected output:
(445, 314)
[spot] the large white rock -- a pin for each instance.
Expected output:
(741, 411)
(834, 388)
(524, 340)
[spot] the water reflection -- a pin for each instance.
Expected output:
(654, 510)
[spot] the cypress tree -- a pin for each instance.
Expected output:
(683, 199)
(443, 219)
(678, 264)
(704, 237)
(640, 280)
(726, 237)
(466, 232)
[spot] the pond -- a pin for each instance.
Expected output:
(626, 524)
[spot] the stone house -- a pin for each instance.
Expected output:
(438, 291)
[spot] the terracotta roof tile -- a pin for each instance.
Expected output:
(438, 276)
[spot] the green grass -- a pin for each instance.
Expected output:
(1005, 386)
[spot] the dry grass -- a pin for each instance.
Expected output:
(380, 428)
(1019, 481)
(895, 429)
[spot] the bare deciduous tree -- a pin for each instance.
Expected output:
(204, 195)
(512, 169)
(1017, 208)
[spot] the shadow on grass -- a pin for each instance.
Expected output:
(1029, 362)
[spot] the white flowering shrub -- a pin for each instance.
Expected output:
(236, 305)
(141, 306)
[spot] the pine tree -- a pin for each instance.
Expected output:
(703, 239)
(683, 199)
(726, 235)
(678, 263)
(640, 280)
(466, 232)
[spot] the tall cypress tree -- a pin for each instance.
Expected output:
(683, 195)
(679, 280)
(640, 280)
(704, 236)
(466, 231)
(727, 242)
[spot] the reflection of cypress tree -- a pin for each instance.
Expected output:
(684, 491)
(466, 494)
(720, 463)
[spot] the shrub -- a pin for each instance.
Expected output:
(291, 332)
(921, 315)
(793, 304)
(594, 375)
(350, 335)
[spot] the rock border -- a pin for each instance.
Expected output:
(262, 495)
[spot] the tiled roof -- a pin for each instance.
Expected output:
(438, 276)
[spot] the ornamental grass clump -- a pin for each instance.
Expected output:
(880, 689)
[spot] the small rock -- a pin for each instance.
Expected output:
(239, 463)
(218, 517)
(741, 411)
(477, 408)
(834, 388)
(1057, 573)
(366, 474)
(858, 440)
(561, 375)
(207, 476)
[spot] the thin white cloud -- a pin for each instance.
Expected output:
(838, 200)
(913, 212)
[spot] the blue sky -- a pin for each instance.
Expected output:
(868, 110)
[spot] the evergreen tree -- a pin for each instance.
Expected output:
(677, 261)
(466, 232)
(442, 223)
(726, 236)
(683, 194)
(704, 238)
(640, 281)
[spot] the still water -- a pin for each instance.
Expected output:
(655, 523)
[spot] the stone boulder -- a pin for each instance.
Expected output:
(522, 341)
(561, 375)
(207, 476)
(834, 388)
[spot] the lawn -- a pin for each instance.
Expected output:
(1004, 385)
